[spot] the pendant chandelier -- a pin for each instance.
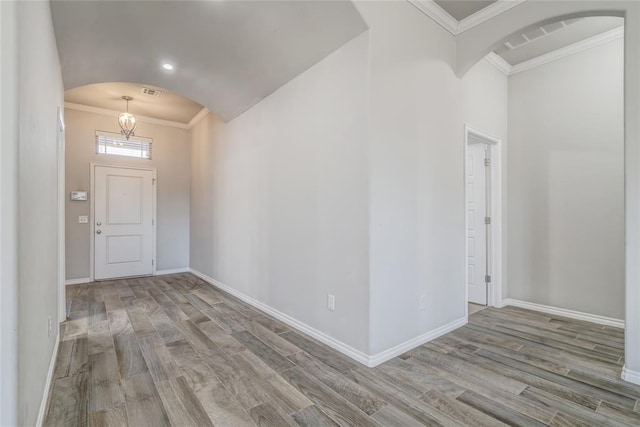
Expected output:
(127, 120)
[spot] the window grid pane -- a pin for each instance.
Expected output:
(118, 145)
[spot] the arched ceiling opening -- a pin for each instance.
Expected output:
(227, 55)
(477, 42)
(148, 101)
(536, 40)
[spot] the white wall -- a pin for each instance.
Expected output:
(415, 157)
(279, 197)
(281, 209)
(40, 96)
(171, 157)
(416, 142)
(485, 99)
(566, 183)
(8, 214)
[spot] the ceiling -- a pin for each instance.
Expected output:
(163, 104)
(227, 55)
(537, 41)
(460, 9)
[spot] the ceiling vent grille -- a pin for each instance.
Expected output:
(151, 92)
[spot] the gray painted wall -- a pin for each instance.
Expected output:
(566, 194)
(279, 197)
(40, 96)
(485, 98)
(171, 158)
(415, 158)
(8, 214)
(349, 180)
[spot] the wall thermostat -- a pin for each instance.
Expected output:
(78, 195)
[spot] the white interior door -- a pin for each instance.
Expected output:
(476, 206)
(123, 222)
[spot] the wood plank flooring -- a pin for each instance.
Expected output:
(172, 350)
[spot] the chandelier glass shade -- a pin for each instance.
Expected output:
(127, 120)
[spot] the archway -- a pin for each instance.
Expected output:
(475, 43)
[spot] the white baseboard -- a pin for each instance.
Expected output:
(294, 323)
(630, 376)
(347, 350)
(401, 348)
(571, 314)
(47, 386)
(172, 271)
(77, 281)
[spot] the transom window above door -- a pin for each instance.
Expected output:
(117, 145)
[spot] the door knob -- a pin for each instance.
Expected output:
(99, 232)
(98, 223)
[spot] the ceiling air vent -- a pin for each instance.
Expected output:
(151, 92)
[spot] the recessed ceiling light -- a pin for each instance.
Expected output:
(167, 66)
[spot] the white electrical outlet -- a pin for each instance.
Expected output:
(50, 325)
(83, 219)
(423, 301)
(331, 302)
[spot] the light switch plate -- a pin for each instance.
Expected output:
(83, 219)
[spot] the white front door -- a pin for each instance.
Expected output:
(123, 222)
(476, 202)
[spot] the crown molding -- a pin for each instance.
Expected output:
(455, 27)
(499, 63)
(114, 113)
(438, 14)
(591, 42)
(487, 13)
(196, 119)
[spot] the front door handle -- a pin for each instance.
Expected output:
(99, 232)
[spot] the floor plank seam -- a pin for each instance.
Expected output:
(188, 349)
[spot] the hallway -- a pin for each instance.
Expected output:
(172, 350)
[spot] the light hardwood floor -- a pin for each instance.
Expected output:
(172, 350)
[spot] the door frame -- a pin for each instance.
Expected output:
(92, 222)
(495, 238)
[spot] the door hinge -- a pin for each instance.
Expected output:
(153, 222)
(152, 262)
(487, 220)
(487, 278)
(153, 181)
(487, 162)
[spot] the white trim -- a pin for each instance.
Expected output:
(591, 42)
(630, 376)
(497, 251)
(571, 314)
(114, 113)
(499, 63)
(343, 348)
(438, 14)
(47, 385)
(79, 281)
(172, 271)
(455, 27)
(154, 197)
(486, 13)
(401, 348)
(196, 119)
(347, 350)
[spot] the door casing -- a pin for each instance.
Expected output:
(92, 222)
(495, 237)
